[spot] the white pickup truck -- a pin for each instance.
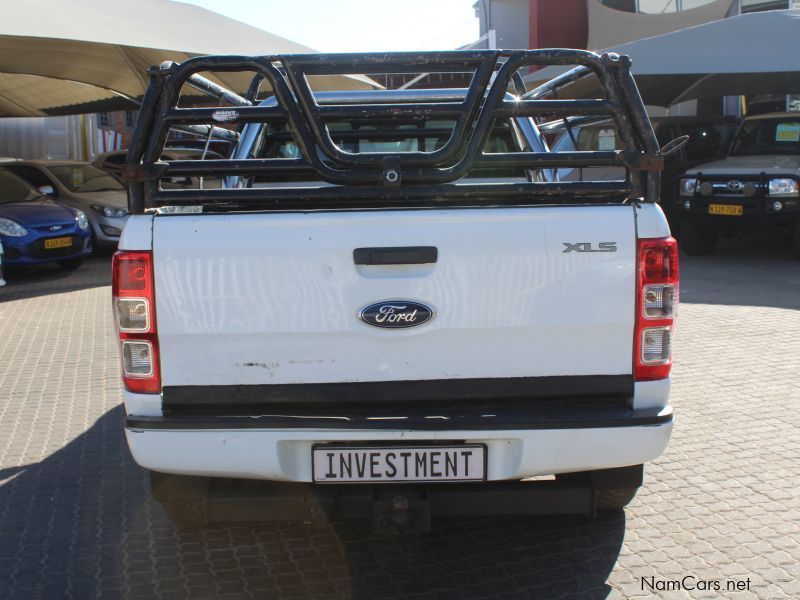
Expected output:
(392, 308)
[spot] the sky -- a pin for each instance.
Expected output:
(358, 25)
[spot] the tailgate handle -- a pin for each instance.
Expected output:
(404, 255)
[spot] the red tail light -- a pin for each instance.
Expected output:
(656, 307)
(135, 317)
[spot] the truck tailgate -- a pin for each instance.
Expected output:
(274, 298)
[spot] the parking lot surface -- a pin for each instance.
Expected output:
(722, 504)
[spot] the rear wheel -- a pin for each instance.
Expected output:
(613, 488)
(615, 498)
(70, 264)
(697, 238)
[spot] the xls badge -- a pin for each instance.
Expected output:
(396, 314)
(587, 247)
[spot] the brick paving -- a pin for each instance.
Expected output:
(722, 504)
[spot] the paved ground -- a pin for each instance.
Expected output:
(722, 504)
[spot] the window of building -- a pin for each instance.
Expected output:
(130, 118)
(656, 7)
(103, 119)
(624, 5)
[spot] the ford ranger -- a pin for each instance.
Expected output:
(392, 308)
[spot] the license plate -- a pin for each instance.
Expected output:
(57, 243)
(732, 210)
(360, 464)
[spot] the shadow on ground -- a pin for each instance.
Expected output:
(743, 272)
(48, 279)
(80, 524)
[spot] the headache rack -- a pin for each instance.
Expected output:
(349, 179)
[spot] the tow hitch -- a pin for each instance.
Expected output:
(401, 510)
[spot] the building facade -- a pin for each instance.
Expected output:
(599, 24)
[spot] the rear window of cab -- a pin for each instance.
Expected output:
(275, 141)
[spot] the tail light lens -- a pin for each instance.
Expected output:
(134, 312)
(656, 307)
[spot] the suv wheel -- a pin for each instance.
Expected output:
(697, 238)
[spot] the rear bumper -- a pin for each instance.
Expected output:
(249, 449)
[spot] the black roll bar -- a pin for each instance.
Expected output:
(388, 176)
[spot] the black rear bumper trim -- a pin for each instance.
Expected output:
(406, 393)
(420, 421)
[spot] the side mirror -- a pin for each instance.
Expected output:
(46, 190)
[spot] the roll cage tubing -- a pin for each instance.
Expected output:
(386, 176)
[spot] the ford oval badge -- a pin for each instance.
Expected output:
(396, 314)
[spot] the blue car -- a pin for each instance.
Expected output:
(36, 230)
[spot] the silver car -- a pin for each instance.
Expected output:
(113, 163)
(82, 186)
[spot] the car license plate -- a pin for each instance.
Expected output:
(357, 464)
(52, 243)
(732, 210)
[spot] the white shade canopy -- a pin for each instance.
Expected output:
(53, 46)
(755, 53)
